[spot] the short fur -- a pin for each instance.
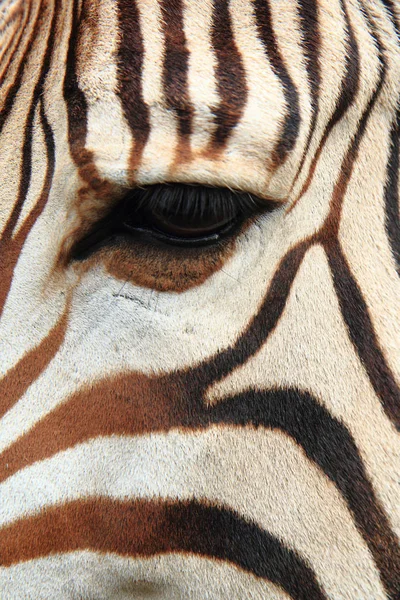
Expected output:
(216, 421)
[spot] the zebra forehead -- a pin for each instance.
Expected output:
(191, 91)
(210, 92)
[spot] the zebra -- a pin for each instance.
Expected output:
(199, 299)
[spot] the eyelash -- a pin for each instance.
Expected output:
(178, 208)
(193, 201)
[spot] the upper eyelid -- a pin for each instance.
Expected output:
(184, 196)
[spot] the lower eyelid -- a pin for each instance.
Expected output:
(157, 266)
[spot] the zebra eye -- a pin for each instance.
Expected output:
(184, 215)
(174, 214)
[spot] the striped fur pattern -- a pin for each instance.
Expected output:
(219, 423)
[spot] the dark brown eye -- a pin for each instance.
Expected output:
(173, 214)
(182, 214)
(185, 227)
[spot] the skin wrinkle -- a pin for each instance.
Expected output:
(172, 407)
(170, 272)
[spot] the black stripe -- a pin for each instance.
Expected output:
(25, 173)
(329, 231)
(12, 92)
(291, 124)
(74, 97)
(10, 249)
(51, 161)
(8, 55)
(260, 327)
(130, 72)
(353, 306)
(356, 315)
(144, 528)
(328, 443)
(392, 202)
(221, 533)
(308, 13)
(176, 65)
(26, 167)
(351, 82)
(230, 75)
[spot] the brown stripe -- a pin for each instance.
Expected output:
(135, 404)
(175, 73)
(130, 73)
(76, 103)
(10, 248)
(125, 405)
(230, 76)
(65, 427)
(15, 383)
(20, 21)
(144, 528)
(291, 123)
(347, 96)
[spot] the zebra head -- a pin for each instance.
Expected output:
(199, 299)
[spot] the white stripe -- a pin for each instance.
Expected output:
(324, 362)
(108, 134)
(202, 84)
(159, 151)
(279, 489)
